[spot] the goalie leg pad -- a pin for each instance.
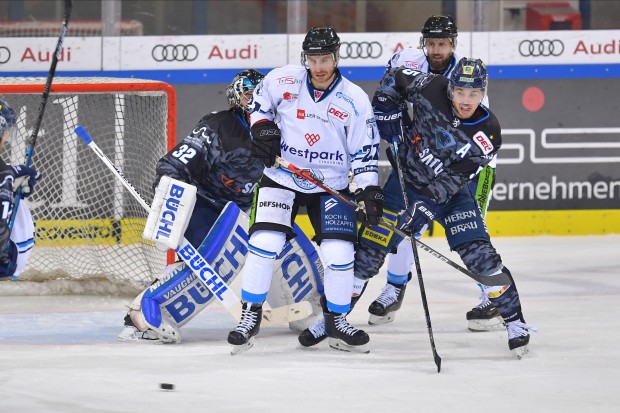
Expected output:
(170, 213)
(23, 236)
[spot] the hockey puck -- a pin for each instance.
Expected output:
(166, 386)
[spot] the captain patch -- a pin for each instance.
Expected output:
(483, 142)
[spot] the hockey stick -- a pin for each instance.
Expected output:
(192, 258)
(416, 260)
(46, 92)
(491, 280)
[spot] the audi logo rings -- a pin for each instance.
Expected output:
(5, 54)
(175, 53)
(545, 48)
(360, 50)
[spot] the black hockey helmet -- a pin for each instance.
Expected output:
(320, 41)
(469, 73)
(243, 82)
(439, 27)
(8, 120)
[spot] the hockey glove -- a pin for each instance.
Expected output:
(266, 141)
(8, 259)
(25, 178)
(388, 121)
(370, 200)
(417, 217)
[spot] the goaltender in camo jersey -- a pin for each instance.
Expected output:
(15, 244)
(314, 118)
(216, 159)
(435, 54)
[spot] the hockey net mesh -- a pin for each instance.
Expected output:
(88, 227)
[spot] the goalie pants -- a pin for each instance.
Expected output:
(273, 211)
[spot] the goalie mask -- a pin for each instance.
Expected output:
(8, 122)
(439, 27)
(320, 41)
(244, 82)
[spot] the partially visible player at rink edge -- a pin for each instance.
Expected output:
(318, 120)
(215, 157)
(436, 54)
(454, 136)
(16, 244)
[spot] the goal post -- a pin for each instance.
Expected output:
(87, 227)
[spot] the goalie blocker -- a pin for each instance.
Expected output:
(178, 297)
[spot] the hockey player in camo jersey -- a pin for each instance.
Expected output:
(216, 158)
(15, 245)
(318, 120)
(454, 136)
(435, 54)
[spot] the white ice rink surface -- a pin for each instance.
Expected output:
(60, 354)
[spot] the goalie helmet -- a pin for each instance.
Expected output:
(469, 73)
(8, 120)
(439, 27)
(320, 41)
(243, 82)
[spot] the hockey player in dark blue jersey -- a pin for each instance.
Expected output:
(15, 244)
(454, 137)
(215, 158)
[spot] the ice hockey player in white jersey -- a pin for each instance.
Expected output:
(317, 120)
(15, 244)
(435, 54)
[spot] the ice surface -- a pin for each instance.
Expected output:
(60, 354)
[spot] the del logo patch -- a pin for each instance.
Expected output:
(337, 112)
(483, 142)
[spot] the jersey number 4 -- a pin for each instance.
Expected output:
(184, 153)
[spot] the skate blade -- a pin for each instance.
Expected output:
(242, 348)
(493, 324)
(337, 344)
(521, 352)
(131, 335)
(375, 320)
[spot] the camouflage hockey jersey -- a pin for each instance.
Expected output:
(444, 152)
(215, 157)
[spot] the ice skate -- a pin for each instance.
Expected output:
(383, 309)
(242, 337)
(343, 336)
(314, 334)
(131, 333)
(519, 337)
(484, 317)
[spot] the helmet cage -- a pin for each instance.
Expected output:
(245, 81)
(8, 121)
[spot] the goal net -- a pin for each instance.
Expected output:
(88, 227)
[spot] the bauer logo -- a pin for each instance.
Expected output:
(168, 215)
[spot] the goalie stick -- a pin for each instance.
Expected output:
(46, 92)
(416, 260)
(190, 256)
(490, 280)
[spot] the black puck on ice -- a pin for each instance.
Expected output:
(166, 386)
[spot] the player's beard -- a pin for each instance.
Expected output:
(326, 76)
(438, 62)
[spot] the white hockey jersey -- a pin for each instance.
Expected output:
(414, 58)
(329, 132)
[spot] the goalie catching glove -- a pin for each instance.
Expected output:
(417, 217)
(370, 200)
(266, 138)
(25, 179)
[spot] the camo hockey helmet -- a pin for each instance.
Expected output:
(320, 41)
(8, 120)
(469, 73)
(243, 82)
(439, 27)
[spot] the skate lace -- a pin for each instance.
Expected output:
(485, 301)
(389, 294)
(318, 329)
(343, 325)
(248, 320)
(519, 329)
